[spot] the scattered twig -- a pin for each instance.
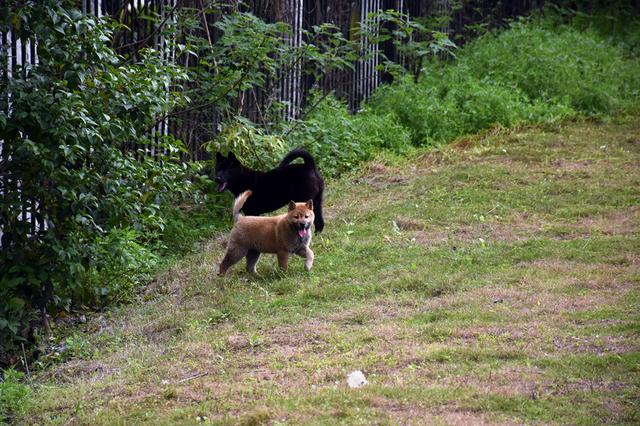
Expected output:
(26, 362)
(494, 207)
(195, 376)
(205, 24)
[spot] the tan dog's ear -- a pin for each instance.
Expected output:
(310, 204)
(292, 205)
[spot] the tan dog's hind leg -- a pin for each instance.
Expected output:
(252, 259)
(231, 257)
(283, 259)
(308, 255)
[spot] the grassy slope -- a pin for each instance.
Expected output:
(496, 280)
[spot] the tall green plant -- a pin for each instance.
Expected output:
(414, 41)
(555, 65)
(64, 123)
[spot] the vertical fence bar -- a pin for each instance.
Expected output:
(4, 74)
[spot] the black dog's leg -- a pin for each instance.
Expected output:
(252, 259)
(317, 210)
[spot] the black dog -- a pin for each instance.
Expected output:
(275, 188)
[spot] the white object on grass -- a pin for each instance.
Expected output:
(356, 379)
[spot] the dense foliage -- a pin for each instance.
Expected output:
(533, 72)
(64, 163)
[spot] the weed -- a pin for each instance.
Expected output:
(14, 395)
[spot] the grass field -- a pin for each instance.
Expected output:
(496, 280)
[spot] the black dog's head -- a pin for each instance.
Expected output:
(227, 168)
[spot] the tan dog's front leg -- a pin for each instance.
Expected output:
(283, 259)
(308, 255)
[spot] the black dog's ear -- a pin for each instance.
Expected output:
(219, 157)
(292, 205)
(310, 204)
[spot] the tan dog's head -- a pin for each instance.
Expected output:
(300, 216)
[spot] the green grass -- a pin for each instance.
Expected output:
(493, 280)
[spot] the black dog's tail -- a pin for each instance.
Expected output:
(299, 153)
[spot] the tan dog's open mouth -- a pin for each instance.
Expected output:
(302, 229)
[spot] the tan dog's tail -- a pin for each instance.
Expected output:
(239, 202)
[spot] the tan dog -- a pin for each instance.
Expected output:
(285, 234)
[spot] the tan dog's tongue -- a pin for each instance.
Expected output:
(302, 232)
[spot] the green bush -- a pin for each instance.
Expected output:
(524, 74)
(251, 145)
(65, 160)
(340, 140)
(617, 21)
(578, 69)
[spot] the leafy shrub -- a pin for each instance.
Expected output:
(417, 108)
(577, 69)
(65, 161)
(249, 143)
(524, 74)
(249, 56)
(121, 262)
(329, 133)
(341, 140)
(616, 21)
(448, 103)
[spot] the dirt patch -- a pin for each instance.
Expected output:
(599, 277)
(595, 345)
(82, 370)
(377, 311)
(530, 382)
(522, 227)
(383, 181)
(309, 332)
(380, 176)
(430, 237)
(409, 224)
(160, 331)
(539, 302)
(464, 418)
(625, 222)
(237, 342)
(508, 334)
(530, 297)
(413, 413)
(513, 229)
(430, 159)
(573, 166)
(376, 169)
